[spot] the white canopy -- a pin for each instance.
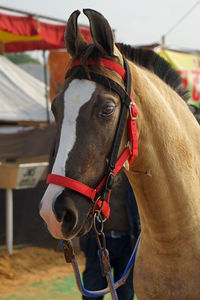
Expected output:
(22, 97)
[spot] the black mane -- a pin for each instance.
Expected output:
(155, 63)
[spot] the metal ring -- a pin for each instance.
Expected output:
(99, 210)
(98, 232)
(95, 203)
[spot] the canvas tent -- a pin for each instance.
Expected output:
(22, 97)
(22, 102)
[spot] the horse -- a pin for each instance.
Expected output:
(165, 173)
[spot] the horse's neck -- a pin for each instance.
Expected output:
(165, 176)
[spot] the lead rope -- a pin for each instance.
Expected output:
(70, 258)
(104, 255)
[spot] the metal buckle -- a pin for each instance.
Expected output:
(130, 112)
(110, 180)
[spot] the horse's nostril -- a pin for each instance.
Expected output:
(58, 210)
(69, 220)
(65, 212)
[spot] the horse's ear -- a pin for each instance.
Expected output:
(73, 38)
(101, 32)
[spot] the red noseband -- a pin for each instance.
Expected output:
(130, 152)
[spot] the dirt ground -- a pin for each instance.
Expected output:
(30, 265)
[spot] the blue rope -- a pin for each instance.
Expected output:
(103, 292)
(111, 285)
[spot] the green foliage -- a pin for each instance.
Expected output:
(21, 58)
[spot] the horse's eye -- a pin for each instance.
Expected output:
(107, 110)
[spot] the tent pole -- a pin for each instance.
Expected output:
(36, 15)
(46, 86)
(9, 221)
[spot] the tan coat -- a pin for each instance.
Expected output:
(166, 181)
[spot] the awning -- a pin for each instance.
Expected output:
(19, 33)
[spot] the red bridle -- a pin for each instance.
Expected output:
(130, 152)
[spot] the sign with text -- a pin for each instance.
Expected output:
(29, 175)
(188, 66)
(21, 176)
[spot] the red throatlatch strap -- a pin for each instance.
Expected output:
(122, 159)
(109, 64)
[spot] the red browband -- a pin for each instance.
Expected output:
(130, 152)
(106, 63)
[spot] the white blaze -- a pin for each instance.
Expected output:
(77, 94)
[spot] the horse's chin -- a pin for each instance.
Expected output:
(79, 230)
(84, 230)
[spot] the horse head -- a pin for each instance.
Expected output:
(87, 114)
